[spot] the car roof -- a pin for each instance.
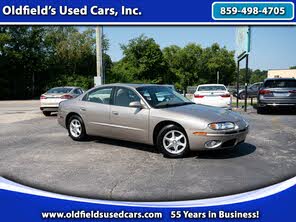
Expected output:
(131, 85)
(59, 87)
(211, 85)
(279, 79)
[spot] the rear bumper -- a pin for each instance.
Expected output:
(276, 102)
(227, 140)
(219, 104)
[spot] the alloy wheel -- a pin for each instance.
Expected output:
(174, 142)
(75, 128)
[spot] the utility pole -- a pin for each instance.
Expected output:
(98, 79)
(218, 77)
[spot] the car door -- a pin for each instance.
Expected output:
(253, 90)
(95, 111)
(129, 123)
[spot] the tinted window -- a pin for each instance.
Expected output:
(102, 95)
(280, 83)
(160, 96)
(211, 88)
(77, 91)
(255, 86)
(124, 96)
(60, 90)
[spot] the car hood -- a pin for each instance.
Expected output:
(205, 113)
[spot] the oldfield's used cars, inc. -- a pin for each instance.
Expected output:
(151, 114)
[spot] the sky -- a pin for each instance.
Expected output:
(272, 47)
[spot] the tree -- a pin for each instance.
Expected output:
(185, 63)
(142, 62)
(293, 67)
(194, 65)
(33, 59)
(220, 60)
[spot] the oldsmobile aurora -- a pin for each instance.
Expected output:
(151, 114)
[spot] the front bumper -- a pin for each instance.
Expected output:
(276, 103)
(228, 140)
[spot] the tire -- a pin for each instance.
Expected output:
(242, 95)
(46, 113)
(178, 148)
(76, 128)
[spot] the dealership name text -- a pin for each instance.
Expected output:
(48, 10)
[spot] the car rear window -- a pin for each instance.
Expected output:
(280, 83)
(211, 88)
(59, 90)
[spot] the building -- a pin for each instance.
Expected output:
(281, 73)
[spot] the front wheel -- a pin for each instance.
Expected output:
(76, 128)
(172, 141)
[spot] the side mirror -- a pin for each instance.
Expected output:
(135, 104)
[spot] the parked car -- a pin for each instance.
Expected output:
(49, 101)
(277, 92)
(252, 91)
(151, 114)
(212, 95)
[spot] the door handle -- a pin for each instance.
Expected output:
(82, 109)
(115, 113)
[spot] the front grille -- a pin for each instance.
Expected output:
(229, 143)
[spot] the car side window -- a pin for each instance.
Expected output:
(124, 96)
(254, 87)
(77, 91)
(101, 95)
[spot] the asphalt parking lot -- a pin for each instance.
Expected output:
(36, 151)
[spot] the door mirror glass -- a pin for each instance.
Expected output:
(135, 104)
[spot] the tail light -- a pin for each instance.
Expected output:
(292, 91)
(198, 96)
(66, 96)
(225, 96)
(264, 92)
(42, 97)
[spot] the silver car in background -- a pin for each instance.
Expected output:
(277, 93)
(49, 101)
(151, 114)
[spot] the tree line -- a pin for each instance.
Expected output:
(36, 58)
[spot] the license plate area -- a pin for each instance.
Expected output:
(281, 94)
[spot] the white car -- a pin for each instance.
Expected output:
(49, 101)
(212, 95)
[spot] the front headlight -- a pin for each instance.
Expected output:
(222, 126)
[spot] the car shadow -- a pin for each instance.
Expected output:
(241, 150)
(124, 144)
(279, 111)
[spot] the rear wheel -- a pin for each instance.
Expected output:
(172, 141)
(242, 95)
(46, 113)
(76, 128)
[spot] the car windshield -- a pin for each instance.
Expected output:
(60, 90)
(161, 96)
(280, 83)
(211, 88)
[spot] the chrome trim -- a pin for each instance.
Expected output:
(117, 126)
